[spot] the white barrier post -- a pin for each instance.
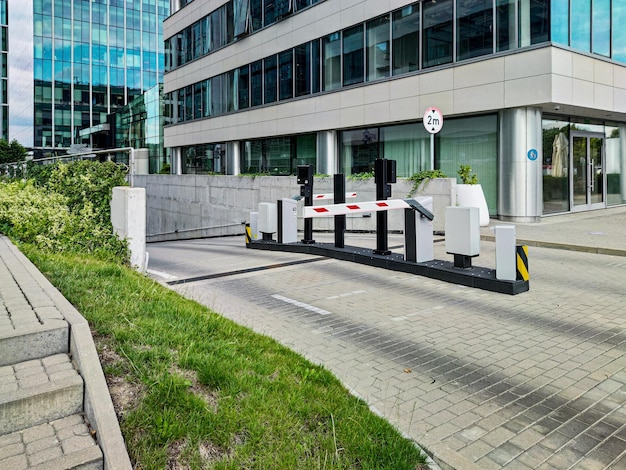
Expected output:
(506, 268)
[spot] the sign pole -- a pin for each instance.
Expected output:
(433, 122)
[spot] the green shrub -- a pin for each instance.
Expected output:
(65, 209)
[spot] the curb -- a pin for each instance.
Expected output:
(97, 404)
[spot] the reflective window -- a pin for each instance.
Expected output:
(358, 150)
(505, 23)
(437, 32)
(474, 28)
(285, 75)
(534, 24)
(332, 61)
(270, 79)
(471, 141)
(256, 14)
(353, 56)
(560, 22)
(243, 87)
(316, 66)
(241, 10)
(406, 24)
(302, 56)
(378, 52)
(581, 25)
(256, 83)
(619, 34)
(555, 164)
(601, 27)
(615, 171)
(409, 145)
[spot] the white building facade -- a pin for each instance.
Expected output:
(532, 93)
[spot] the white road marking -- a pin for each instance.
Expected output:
(301, 304)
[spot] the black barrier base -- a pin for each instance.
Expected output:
(474, 276)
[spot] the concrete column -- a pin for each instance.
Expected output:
(327, 153)
(177, 161)
(520, 158)
(233, 160)
(128, 217)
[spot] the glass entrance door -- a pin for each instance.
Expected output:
(588, 171)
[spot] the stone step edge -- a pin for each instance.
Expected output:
(42, 396)
(35, 342)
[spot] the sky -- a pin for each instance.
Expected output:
(20, 60)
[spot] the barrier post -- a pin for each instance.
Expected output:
(505, 252)
(384, 173)
(305, 178)
(339, 188)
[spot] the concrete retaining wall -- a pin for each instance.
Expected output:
(192, 206)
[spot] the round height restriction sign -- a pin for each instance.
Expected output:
(433, 120)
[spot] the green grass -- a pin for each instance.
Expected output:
(208, 393)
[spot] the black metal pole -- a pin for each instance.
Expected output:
(339, 197)
(380, 173)
(305, 177)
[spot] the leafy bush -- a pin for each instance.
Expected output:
(66, 209)
(466, 175)
(424, 176)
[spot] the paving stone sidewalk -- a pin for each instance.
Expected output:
(479, 379)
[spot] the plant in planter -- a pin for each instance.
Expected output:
(470, 193)
(423, 176)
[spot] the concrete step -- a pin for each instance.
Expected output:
(38, 391)
(57, 445)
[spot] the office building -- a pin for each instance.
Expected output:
(532, 93)
(89, 58)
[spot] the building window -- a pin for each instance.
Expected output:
(406, 30)
(471, 141)
(378, 52)
(353, 56)
(303, 69)
(279, 155)
(256, 83)
(285, 75)
(581, 22)
(601, 27)
(270, 79)
(438, 25)
(358, 150)
(474, 22)
(505, 22)
(243, 87)
(618, 43)
(241, 9)
(332, 61)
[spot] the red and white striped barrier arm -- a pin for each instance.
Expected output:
(353, 208)
(324, 197)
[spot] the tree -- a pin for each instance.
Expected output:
(11, 152)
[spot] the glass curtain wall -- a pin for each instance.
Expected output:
(555, 166)
(471, 141)
(91, 59)
(557, 158)
(279, 155)
(365, 52)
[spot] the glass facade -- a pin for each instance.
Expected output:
(470, 141)
(590, 26)
(230, 22)
(583, 165)
(91, 58)
(278, 155)
(385, 46)
(140, 125)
